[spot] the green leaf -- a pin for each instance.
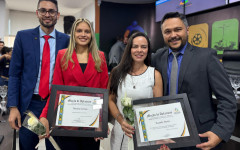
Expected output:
(131, 116)
(125, 111)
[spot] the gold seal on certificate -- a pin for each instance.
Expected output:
(84, 111)
(164, 120)
(78, 111)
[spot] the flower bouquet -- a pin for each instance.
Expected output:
(128, 109)
(128, 114)
(32, 123)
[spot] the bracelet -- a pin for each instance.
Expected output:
(118, 116)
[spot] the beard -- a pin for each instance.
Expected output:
(48, 25)
(183, 43)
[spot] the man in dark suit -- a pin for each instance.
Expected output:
(26, 67)
(199, 74)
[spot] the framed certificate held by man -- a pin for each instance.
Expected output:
(78, 111)
(164, 120)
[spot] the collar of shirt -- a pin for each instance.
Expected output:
(181, 51)
(42, 33)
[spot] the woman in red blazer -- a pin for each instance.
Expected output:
(81, 64)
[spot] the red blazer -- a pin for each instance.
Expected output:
(75, 77)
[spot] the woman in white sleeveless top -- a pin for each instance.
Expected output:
(134, 78)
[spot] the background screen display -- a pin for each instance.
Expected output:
(165, 6)
(191, 6)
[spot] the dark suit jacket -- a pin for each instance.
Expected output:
(24, 66)
(202, 74)
(73, 76)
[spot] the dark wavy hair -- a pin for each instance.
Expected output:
(119, 73)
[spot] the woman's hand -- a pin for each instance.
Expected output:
(98, 138)
(166, 141)
(164, 147)
(44, 121)
(127, 129)
(101, 138)
(108, 130)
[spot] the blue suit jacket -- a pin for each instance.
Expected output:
(24, 66)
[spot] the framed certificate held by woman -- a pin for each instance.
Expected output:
(164, 120)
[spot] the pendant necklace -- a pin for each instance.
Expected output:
(138, 72)
(134, 84)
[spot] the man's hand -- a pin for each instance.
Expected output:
(213, 140)
(45, 122)
(14, 117)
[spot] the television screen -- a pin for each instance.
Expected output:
(192, 6)
(165, 6)
(232, 1)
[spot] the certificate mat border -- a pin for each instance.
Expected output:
(191, 140)
(51, 116)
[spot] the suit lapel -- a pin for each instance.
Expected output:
(164, 61)
(187, 57)
(36, 46)
(77, 71)
(90, 69)
(58, 42)
(82, 78)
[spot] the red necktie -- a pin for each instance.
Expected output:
(45, 69)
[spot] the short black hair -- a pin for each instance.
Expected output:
(6, 50)
(175, 15)
(53, 1)
(1, 42)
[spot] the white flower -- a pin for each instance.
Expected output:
(32, 122)
(126, 101)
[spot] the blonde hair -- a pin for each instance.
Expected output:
(92, 47)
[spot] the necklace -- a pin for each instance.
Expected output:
(134, 84)
(138, 72)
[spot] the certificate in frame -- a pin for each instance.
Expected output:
(78, 111)
(164, 115)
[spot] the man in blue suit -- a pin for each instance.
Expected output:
(26, 66)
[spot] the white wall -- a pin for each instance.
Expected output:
(88, 12)
(4, 13)
(20, 20)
